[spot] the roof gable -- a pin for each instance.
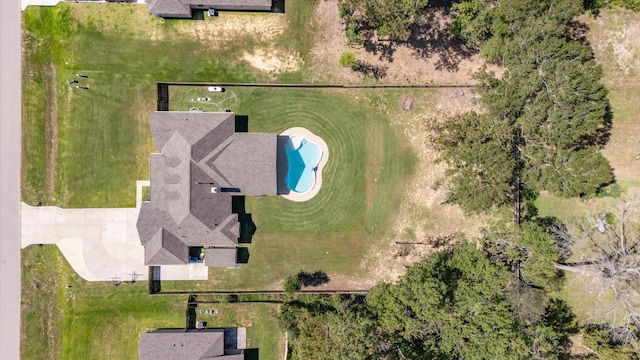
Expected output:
(166, 249)
(248, 163)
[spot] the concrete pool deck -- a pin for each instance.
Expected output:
(299, 197)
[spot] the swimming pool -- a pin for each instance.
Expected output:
(303, 157)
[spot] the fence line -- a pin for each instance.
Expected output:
(261, 292)
(319, 86)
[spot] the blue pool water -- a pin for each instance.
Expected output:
(303, 157)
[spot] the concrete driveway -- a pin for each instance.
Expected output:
(99, 244)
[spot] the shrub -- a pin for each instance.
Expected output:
(348, 59)
(343, 10)
(352, 33)
(292, 284)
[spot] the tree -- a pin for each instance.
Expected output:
(599, 341)
(607, 247)
(452, 305)
(391, 18)
(341, 327)
(482, 168)
(528, 250)
(549, 110)
(567, 173)
(473, 23)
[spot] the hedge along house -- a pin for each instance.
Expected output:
(202, 163)
(183, 8)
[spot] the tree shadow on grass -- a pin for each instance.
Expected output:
(313, 279)
(369, 69)
(560, 317)
(578, 31)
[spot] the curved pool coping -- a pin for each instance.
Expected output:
(299, 197)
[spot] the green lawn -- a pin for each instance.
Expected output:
(86, 148)
(102, 146)
(362, 182)
(102, 131)
(102, 321)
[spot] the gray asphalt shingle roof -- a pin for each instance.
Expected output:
(184, 345)
(183, 7)
(201, 164)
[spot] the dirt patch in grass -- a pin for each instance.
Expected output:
(50, 127)
(272, 61)
(429, 56)
(229, 27)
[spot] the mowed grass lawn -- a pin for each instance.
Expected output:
(363, 183)
(102, 321)
(86, 148)
(95, 158)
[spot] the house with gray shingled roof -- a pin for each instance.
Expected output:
(182, 8)
(186, 345)
(202, 162)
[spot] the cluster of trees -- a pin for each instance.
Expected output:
(456, 304)
(488, 298)
(545, 117)
(391, 19)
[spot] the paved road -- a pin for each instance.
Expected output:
(10, 103)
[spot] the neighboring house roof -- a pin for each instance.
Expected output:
(201, 164)
(184, 345)
(169, 8)
(182, 8)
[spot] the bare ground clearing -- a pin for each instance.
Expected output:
(429, 56)
(615, 39)
(423, 214)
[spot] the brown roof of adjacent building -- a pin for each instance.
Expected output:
(202, 163)
(184, 345)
